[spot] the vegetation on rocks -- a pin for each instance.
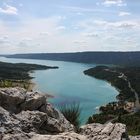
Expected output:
(72, 113)
(19, 71)
(132, 122)
(12, 75)
(126, 80)
(112, 75)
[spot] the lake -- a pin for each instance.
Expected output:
(68, 84)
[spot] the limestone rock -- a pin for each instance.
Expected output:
(88, 132)
(33, 101)
(62, 136)
(29, 125)
(32, 121)
(33, 112)
(17, 99)
(50, 110)
(58, 120)
(8, 123)
(10, 98)
(40, 122)
(18, 136)
(108, 131)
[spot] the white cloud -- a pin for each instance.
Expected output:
(23, 44)
(44, 34)
(90, 34)
(9, 10)
(117, 24)
(27, 39)
(124, 14)
(61, 28)
(47, 35)
(79, 42)
(82, 9)
(93, 25)
(114, 2)
(4, 40)
(123, 24)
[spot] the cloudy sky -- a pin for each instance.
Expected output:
(69, 25)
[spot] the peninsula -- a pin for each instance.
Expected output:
(127, 109)
(18, 74)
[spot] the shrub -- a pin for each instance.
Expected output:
(72, 113)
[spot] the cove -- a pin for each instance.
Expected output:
(68, 84)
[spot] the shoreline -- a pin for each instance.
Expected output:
(33, 87)
(124, 110)
(117, 89)
(117, 99)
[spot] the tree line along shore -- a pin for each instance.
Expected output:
(127, 109)
(18, 74)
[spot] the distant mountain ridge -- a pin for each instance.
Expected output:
(118, 58)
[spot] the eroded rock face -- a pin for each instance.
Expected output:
(11, 98)
(8, 123)
(17, 99)
(62, 136)
(90, 132)
(32, 136)
(33, 101)
(104, 132)
(32, 121)
(28, 116)
(31, 112)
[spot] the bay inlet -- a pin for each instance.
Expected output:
(68, 84)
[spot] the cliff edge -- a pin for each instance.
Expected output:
(28, 116)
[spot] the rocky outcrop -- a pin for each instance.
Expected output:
(32, 136)
(91, 132)
(17, 99)
(29, 112)
(104, 132)
(28, 116)
(11, 98)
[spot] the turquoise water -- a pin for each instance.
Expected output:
(68, 84)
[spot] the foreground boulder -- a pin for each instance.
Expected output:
(104, 132)
(11, 98)
(28, 116)
(17, 99)
(31, 111)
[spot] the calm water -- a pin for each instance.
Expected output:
(68, 84)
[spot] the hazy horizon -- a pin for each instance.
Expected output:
(74, 52)
(52, 26)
